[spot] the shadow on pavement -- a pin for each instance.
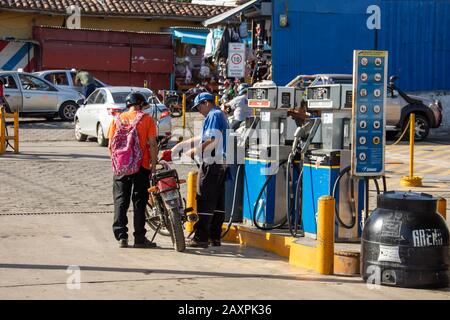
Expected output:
(46, 156)
(182, 272)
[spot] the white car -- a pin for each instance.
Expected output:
(96, 113)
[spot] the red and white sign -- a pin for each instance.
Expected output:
(236, 60)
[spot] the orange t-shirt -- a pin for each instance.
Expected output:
(146, 129)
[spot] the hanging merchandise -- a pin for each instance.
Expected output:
(243, 30)
(204, 71)
(229, 35)
(209, 45)
(216, 37)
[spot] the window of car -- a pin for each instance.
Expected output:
(57, 78)
(92, 96)
(34, 83)
(9, 82)
(101, 97)
(120, 97)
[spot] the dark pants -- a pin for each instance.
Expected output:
(210, 202)
(134, 186)
(88, 90)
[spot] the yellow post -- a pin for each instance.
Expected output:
(16, 132)
(411, 180)
(325, 236)
(183, 112)
(2, 131)
(191, 201)
(442, 207)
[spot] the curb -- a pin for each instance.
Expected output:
(299, 252)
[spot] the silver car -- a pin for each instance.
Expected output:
(99, 109)
(65, 79)
(34, 96)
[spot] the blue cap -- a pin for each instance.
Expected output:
(204, 96)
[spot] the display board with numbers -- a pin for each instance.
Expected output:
(369, 105)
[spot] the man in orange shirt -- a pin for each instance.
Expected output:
(134, 186)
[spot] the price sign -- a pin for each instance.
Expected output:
(369, 102)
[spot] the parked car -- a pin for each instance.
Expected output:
(65, 79)
(34, 96)
(99, 109)
(399, 105)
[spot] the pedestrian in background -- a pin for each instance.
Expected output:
(133, 163)
(87, 82)
(239, 107)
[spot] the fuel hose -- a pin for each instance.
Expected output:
(264, 187)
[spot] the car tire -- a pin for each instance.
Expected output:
(421, 128)
(78, 135)
(67, 110)
(101, 140)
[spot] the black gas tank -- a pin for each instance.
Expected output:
(405, 242)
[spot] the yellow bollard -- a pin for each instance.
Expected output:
(325, 236)
(16, 132)
(442, 207)
(183, 112)
(411, 180)
(191, 201)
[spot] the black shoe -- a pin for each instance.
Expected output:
(146, 244)
(196, 244)
(123, 243)
(214, 243)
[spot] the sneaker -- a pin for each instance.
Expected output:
(214, 243)
(196, 244)
(123, 243)
(146, 244)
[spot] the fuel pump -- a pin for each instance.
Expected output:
(352, 137)
(269, 141)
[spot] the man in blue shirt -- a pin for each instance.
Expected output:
(211, 147)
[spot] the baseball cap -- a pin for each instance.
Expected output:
(204, 96)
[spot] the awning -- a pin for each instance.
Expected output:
(191, 36)
(230, 13)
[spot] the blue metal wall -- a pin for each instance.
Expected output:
(322, 34)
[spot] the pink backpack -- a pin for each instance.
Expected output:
(125, 148)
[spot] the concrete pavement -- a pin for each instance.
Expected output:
(56, 212)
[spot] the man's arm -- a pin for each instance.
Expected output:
(208, 145)
(185, 145)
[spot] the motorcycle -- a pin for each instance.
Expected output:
(173, 100)
(165, 213)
